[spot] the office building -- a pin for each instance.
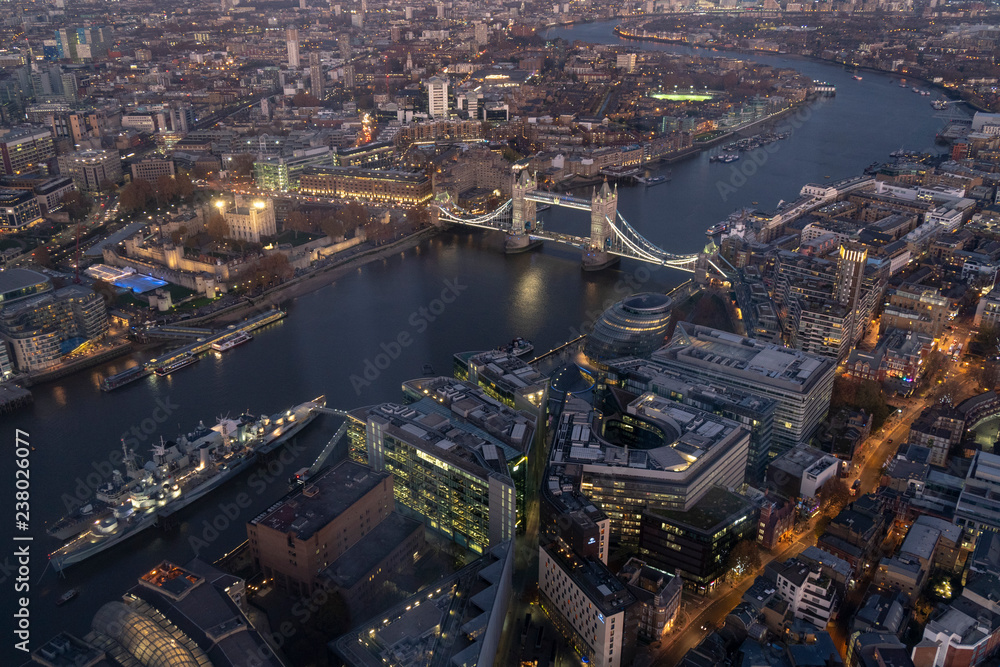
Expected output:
(753, 412)
(92, 169)
(592, 609)
(18, 209)
(49, 194)
(800, 383)
(310, 528)
(251, 219)
(507, 378)
(437, 96)
(652, 453)
(292, 46)
(83, 45)
(18, 284)
(658, 597)
(457, 457)
(151, 169)
(27, 149)
(372, 185)
(696, 543)
(283, 172)
(978, 508)
(633, 327)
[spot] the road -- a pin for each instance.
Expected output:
(958, 382)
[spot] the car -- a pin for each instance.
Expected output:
(890, 441)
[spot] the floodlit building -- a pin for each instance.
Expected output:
(437, 96)
(251, 219)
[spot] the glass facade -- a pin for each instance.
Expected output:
(633, 327)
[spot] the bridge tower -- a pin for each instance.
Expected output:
(603, 212)
(523, 215)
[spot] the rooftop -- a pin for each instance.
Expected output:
(359, 560)
(327, 496)
(747, 358)
(597, 582)
(716, 508)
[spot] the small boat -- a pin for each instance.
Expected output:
(184, 361)
(902, 84)
(519, 347)
(940, 105)
(67, 596)
(651, 180)
(428, 370)
(229, 342)
(857, 77)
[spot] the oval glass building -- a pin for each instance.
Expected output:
(633, 327)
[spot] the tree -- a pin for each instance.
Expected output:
(744, 559)
(136, 195)
(242, 164)
(217, 227)
(304, 99)
(107, 185)
(42, 256)
(185, 188)
(297, 222)
(166, 189)
(333, 227)
(77, 205)
(836, 494)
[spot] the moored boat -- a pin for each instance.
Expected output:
(179, 473)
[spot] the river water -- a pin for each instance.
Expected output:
(329, 336)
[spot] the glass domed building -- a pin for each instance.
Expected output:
(633, 327)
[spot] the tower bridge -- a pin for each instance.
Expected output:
(611, 236)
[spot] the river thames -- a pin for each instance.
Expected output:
(454, 292)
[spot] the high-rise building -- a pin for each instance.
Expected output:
(292, 44)
(83, 44)
(316, 76)
(344, 42)
(651, 453)
(91, 169)
(27, 149)
(457, 455)
(437, 96)
(594, 611)
(349, 76)
(800, 383)
(696, 543)
(43, 329)
(18, 209)
(482, 34)
(753, 411)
